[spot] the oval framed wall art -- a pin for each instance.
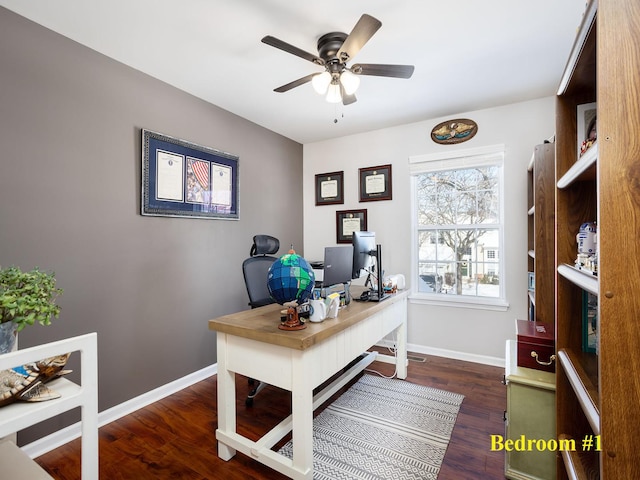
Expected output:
(454, 131)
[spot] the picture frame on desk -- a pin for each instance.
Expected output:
(589, 322)
(183, 179)
(586, 126)
(330, 188)
(349, 221)
(375, 183)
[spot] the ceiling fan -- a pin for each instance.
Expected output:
(335, 49)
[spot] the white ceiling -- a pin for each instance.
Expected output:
(468, 54)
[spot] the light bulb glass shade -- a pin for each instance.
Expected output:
(321, 82)
(350, 82)
(333, 95)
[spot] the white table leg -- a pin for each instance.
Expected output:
(90, 443)
(401, 345)
(226, 398)
(302, 412)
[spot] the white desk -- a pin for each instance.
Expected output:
(250, 343)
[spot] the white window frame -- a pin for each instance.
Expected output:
(457, 159)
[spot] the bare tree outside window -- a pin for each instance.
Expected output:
(459, 231)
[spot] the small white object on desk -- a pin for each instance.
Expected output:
(396, 280)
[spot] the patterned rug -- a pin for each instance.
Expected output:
(383, 429)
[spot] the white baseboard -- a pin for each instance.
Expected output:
(440, 352)
(65, 435)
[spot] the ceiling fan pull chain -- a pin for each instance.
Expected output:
(335, 113)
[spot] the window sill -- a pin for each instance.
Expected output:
(476, 303)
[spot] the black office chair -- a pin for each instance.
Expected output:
(255, 270)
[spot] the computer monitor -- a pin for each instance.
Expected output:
(337, 265)
(364, 252)
(367, 256)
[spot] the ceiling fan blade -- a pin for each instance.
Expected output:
(361, 33)
(295, 83)
(380, 70)
(277, 43)
(347, 99)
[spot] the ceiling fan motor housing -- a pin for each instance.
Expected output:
(329, 44)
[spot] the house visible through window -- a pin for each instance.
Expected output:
(458, 226)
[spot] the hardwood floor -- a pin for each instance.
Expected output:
(174, 438)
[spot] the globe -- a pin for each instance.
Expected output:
(290, 278)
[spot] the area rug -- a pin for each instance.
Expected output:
(383, 429)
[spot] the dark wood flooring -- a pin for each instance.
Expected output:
(174, 438)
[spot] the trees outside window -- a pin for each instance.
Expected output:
(459, 230)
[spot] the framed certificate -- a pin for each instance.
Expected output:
(330, 188)
(375, 183)
(182, 179)
(349, 221)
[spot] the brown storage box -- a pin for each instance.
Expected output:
(536, 345)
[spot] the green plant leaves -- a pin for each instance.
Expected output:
(28, 297)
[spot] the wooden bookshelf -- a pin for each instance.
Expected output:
(597, 394)
(541, 232)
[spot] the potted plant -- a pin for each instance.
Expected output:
(25, 298)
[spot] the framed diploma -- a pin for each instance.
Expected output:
(349, 221)
(182, 179)
(375, 183)
(330, 188)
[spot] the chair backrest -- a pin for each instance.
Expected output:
(256, 268)
(264, 245)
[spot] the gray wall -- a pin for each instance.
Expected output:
(70, 143)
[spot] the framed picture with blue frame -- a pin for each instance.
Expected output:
(183, 179)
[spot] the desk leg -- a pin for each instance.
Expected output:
(302, 412)
(226, 398)
(401, 345)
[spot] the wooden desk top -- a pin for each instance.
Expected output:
(262, 323)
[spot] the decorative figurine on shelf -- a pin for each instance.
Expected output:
(290, 282)
(592, 136)
(587, 239)
(26, 383)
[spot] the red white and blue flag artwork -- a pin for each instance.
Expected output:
(201, 171)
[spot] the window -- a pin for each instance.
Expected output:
(458, 234)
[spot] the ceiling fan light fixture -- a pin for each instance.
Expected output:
(321, 82)
(335, 49)
(350, 82)
(333, 95)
